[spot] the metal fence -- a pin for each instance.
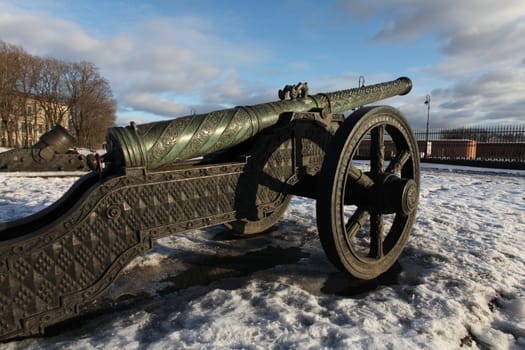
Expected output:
(494, 146)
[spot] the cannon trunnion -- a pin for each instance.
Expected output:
(61, 258)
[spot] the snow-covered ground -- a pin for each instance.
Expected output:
(459, 283)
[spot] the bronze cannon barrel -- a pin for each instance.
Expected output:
(155, 145)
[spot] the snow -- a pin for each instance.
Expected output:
(460, 282)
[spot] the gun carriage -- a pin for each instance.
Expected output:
(238, 167)
(51, 153)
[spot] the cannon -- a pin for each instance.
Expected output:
(237, 167)
(50, 153)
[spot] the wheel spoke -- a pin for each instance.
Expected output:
(377, 150)
(359, 178)
(355, 222)
(358, 185)
(397, 164)
(376, 235)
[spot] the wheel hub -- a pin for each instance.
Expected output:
(399, 195)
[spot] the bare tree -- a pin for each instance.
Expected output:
(27, 101)
(91, 104)
(52, 91)
(74, 95)
(10, 70)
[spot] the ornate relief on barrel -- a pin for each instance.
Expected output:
(168, 139)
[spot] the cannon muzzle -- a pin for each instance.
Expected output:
(158, 144)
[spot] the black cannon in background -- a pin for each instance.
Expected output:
(51, 153)
(238, 167)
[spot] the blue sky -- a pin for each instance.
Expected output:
(167, 58)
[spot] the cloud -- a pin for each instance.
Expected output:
(481, 43)
(409, 19)
(471, 28)
(44, 35)
(144, 101)
(180, 57)
(361, 9)
(156, 65)
(498, 92)
(170, 64)
(493, 97)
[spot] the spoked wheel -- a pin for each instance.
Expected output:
(368, 191)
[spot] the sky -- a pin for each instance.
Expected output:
(170, 58)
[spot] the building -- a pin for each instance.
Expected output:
(22, 124)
